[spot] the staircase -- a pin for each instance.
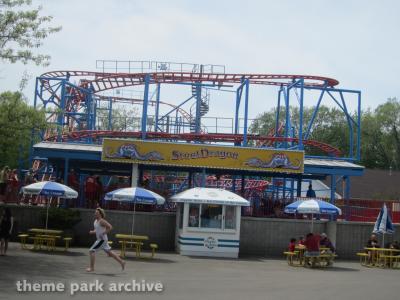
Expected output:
(204, 107)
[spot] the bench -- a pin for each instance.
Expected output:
(318, 259)
(38, 242)
(289, 256)
(137, 245)
(67, 241)
(153, 248)
(23, 237)
(389, 260)
(363, 258)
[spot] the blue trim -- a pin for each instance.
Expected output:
(228, 241)
(228, 246)
(191, 239)
(190, 244)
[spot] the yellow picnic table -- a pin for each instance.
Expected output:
(383, 257)
(127, 240)
(324, 256)
(42, 236)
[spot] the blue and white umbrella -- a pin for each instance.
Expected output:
(312, 206)
(49, 189)
(135, 195)
(383, 223)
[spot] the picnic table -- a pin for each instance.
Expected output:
(380, 257)
(43, 236)
(131, 241)
(299, 257)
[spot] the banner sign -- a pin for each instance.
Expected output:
(201, 155)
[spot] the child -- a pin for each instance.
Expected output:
(101, 228)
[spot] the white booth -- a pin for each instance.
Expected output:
(208, 222)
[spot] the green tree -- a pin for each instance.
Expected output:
(21, 31)
(17, 120)
(122, 119)
(388, 118)
(329, 126)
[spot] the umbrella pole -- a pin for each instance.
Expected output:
(383, 240)
(133, 217)
(47, 211)
(312, 222)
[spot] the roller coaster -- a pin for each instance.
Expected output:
(73, 101)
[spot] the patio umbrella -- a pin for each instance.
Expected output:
(383, 223)
(49, 189)
(312, 206)
(210, 195)
(135, 195)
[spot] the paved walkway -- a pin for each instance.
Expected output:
(194, 278)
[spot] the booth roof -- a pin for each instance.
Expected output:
(211, 196)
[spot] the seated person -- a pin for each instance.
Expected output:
(301, 241)
(325, 242)
(312, 248)
(396, 246)
(372, 243)
(292, 245)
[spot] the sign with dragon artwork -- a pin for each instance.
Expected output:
(201, 155)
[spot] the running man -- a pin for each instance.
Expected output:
(101, 228)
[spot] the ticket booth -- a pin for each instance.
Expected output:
(208, 222)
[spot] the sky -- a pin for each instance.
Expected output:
(355, 42)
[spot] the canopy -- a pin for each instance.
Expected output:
(49, 188)
(135, 195)
(210, 196)
(312, 206)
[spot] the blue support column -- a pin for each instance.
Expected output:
(333, 189)
(145, 105)
(60, 118)
(239, 92)
(346, 196)
(33, 131)
(287, 115)
(157, 107)
(314, 115)
(278, 111)
(66, 167)
(350, 124)
(110, 114)
(300, 143)
(246, 112)
(198, 108)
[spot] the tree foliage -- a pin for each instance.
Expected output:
(17, 120)
(380, 131)
(22, 30)
(122, 119)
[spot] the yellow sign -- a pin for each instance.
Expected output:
(205, 156)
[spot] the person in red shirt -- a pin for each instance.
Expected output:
(312, 248)
(90, 191)
(72, 180)
(292, 245)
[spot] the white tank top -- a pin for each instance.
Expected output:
(100, 231)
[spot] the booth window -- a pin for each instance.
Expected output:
(230, 217)
(211, 216)
(194, 214)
